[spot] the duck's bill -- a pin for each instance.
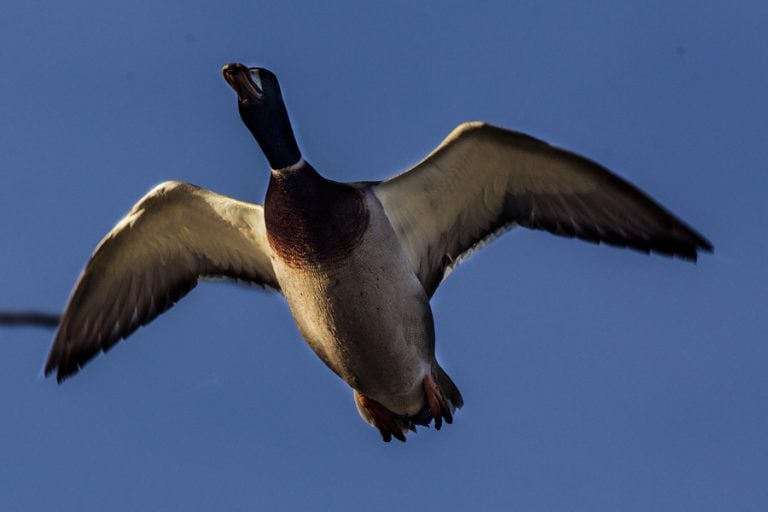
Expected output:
(245, 81)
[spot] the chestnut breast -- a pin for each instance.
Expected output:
(312, 221)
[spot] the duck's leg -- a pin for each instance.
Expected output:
(388, 423)
(440, 407)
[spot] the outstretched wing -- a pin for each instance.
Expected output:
(483, 179)
(155, 255)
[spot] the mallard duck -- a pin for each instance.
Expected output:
(356, 262)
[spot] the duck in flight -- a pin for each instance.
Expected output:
(356, 262)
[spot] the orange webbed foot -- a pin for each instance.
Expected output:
(440, 407)
(388, 423)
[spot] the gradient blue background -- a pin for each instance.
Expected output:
(594, 378)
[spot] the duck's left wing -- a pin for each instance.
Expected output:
(483, 179)
(154, 256)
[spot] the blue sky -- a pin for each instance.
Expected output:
(594, 378)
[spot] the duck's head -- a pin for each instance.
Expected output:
(263, 112)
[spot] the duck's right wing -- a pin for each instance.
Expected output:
(482, 180)
(155, 255)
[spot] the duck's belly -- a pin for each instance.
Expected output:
(367, 317)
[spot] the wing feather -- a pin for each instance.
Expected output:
(154, 256)
(482, 180)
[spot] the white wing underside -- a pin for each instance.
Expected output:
(482, 180)
(175, 235)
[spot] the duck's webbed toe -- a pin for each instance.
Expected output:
(439, 406)
(388, 423)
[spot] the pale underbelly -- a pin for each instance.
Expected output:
(372, 326)
(365, 313)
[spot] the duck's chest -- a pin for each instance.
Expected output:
(351, 290)
(313, 222)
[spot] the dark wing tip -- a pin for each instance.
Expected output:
(64, 366)
(686, 247)
(65, 373)
(690, 243)
(54, 358)
(68, 366)
(78, 340)
(68, 357)
(704, 245)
